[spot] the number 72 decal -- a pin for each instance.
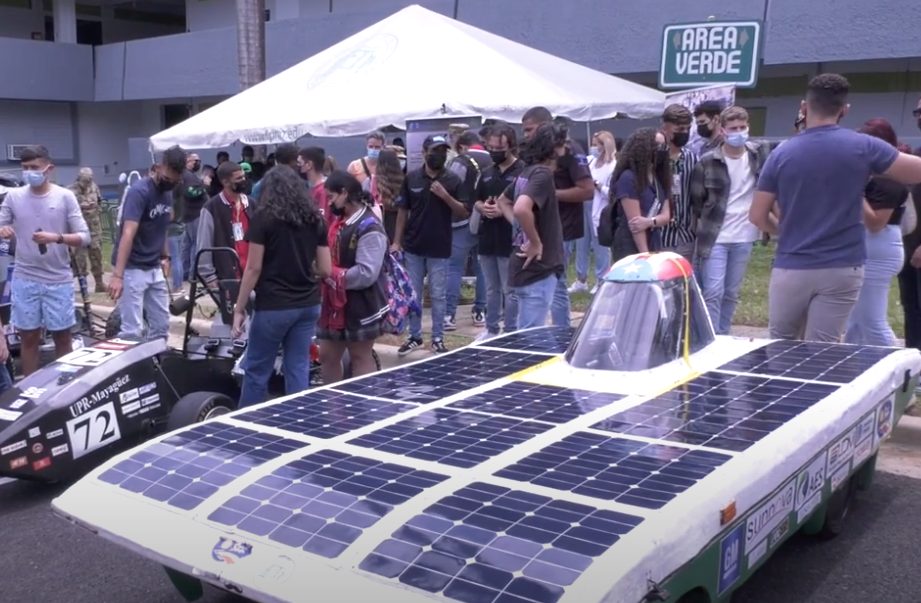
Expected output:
(92, 430)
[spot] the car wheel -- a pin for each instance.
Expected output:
(839, 505)
(197, 407)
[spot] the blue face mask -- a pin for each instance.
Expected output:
(373, 153)
(737, 139)
(34, 178)
(594, 152)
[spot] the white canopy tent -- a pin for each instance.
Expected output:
(397, 70)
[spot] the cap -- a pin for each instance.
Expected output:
(246, 167)
(435, 140)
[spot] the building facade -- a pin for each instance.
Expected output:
(93, 80)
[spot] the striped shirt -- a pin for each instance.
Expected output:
(681, 229)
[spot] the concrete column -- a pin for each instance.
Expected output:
(65, 21)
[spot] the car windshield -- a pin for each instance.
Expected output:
(633, 326)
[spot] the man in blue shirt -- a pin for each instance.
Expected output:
(141, 254)
(817, 179)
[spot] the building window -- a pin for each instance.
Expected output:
(174, 114)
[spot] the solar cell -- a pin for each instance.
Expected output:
(719, 410)
(488, 543)
(460, 439)
(324, 413)
(626, 471)
(442, 376)
(547, 340)
(322, 502)
(809, 360)
(532, 401)
(186, 468)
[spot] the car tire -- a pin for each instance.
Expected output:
(839, 506)
(197, 407)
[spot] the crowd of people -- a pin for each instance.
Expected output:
(313, 242)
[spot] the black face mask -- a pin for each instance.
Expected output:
(436, 162)
(704, 130)
(660, 158)
(498, 156)
(164, 185)
(239, 187)
(196, 166)
(336, 210)
(679, 139)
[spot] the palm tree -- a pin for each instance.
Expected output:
(251, 42)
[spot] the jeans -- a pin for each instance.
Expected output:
(495, 273)
(189, 249)
(722, 276)
(559, 307)
(176, 264)
(589, 244)
(910, 295)
(869, 320)
(6, 382)
(293, 331)
(463, 245)
(812, 304)
(144, 297)
(535, 300)
(436, 269)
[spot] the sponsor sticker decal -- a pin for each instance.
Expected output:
(35, 432)
(13, 447)
(863, 438)
(33, 393)
(16, 405)
(19, 462)
(150, 400)
(766, 517)
(839, 453)
(88, 357)
(59, 450)
(129, 396)
(838, 477)
(132, 407)
(87, 402)
(731, 558)
(884, 420)
(95, 429)
(809, 485)
(9, 415)
(125, 342)
(54, 434)
(230, 551)
(38, 448)
(40, 464)
(147, 387)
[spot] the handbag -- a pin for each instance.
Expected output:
(404, 301)
(607, 224)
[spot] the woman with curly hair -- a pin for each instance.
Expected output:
(288, 257)
(385, 186)
(640, 192)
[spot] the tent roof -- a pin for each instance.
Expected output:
(396, 70)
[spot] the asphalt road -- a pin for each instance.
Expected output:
(47, 559)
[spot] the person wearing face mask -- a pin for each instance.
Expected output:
(818, 179)
(640, 190)
(355, 300)
(722, 188)
(89, 197)
(45, 219)
(141, 257)
(678, 235)
(364, 167)
(431, 197)
(224, 222)
(707, 127)
(310, 161)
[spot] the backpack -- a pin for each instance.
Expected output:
(403, 300)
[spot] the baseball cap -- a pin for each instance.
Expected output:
(246, 167)
(435, 140)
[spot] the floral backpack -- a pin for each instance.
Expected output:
(403, 300)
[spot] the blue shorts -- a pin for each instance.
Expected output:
(36, 305)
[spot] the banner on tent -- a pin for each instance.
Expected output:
(725, 95)
(418, 130)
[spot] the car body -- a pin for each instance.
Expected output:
(641, 459)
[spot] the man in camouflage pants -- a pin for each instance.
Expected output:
(89, 198)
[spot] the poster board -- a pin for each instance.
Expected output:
(418, 130)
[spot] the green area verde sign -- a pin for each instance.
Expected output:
(715, 52)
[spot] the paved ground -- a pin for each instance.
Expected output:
(46, 559)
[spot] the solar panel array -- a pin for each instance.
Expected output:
(322, 502)
(489, 543)
(809, 360)
(721, 411)
(484, 542)
(190, 466)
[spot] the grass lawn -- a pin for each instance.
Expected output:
(753, 306)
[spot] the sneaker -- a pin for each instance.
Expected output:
(411, 345)
(450, 324)
(438, 346)
(578, 287)
(479, 318)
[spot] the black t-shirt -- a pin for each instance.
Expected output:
(495, 234)
(536, 181)
(570, 169)
(192, 195)
(883, 193)
(428, 219)
(287, 280)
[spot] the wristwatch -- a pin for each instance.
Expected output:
(653, 222)
(60, 238)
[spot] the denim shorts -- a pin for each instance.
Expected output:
(36, 305)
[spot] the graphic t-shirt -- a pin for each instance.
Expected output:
(150, 208)
(536, 181)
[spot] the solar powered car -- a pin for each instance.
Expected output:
(640, 458)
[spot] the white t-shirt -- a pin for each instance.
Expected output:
(737, 228)
(601, 173)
